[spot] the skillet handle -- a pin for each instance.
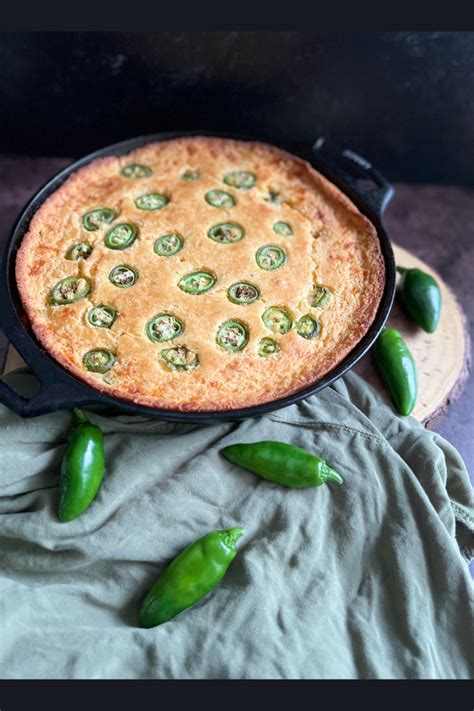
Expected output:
(348, 166)
(55, 397)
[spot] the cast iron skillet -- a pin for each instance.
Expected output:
(354, 175)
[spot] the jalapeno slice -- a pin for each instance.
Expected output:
(270, 257)
(121, 236)
(94, 219)
(267, 347)
(164, 327)
(273, 197)
(277, 320)
(320, 295)
(102, 316)
(243, 293)
(136, 170)
(197, 282)
(180, 358)
(98, 360)
(68, 290)
(190, 175)
(219, 198)
(283, 228)
(241, 179)
(151, 201)
(123, 276)
(167, 245)
(226, 233)
(232, 336)
(308, 327)
(78, 252)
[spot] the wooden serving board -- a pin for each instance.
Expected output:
(443, 358)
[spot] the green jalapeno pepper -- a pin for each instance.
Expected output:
(78, 252)
(308, 327)
(397, 367)
(421, 297)
(277, 320)
(273, 197)
(270, 257)
(220, 199)
(197, 282)
(68, 290)
(241, 179)
(232, 335)
(102, 316)
(94, 219)
(282, 463)
(283, 228)
(136, 170)
(242, 293)
(164, 327)
(167, 245)
(190, 175)
(190, 576)
(123, 276)
(98, 360)
(151, 201)
(180, 358)
(226, 233)
(121, 236)
(319, 297)
(267, 347)
(82, 468)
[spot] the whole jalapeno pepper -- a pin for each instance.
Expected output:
(398, 368)
(282, 463)
(421, 297)
(190, 576)
(82, 468)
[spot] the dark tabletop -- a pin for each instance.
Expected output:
(436, 223)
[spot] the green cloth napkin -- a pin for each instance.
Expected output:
(364, 580)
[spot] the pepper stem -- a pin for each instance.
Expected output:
(232, 535)
(80, 416)
(401, 270)
(331, 475)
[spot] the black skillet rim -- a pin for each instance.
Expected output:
(16, 325)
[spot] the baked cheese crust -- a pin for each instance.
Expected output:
(329, 252)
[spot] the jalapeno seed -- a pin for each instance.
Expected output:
(197, 282)
(219, 198)
(226, 232)
(190, 175)
(180, 358)
(78, 252)
(270, 257)
(242, 293)
(164, 327)
(136, 170)
(151, 201)
(68, 290)
(102, 316)
(277, 320)
(98, 360)
(320, 295)
(167, 245)
(121, 236)
(241, 179)
(308, 327)
(283, 228)
(123, 276)
(232, 336)
(94, 219)
(267, 347)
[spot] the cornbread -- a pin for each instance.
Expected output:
(199, 274)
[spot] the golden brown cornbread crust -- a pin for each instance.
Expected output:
(332, 244)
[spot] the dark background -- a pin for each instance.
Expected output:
(405, 100)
